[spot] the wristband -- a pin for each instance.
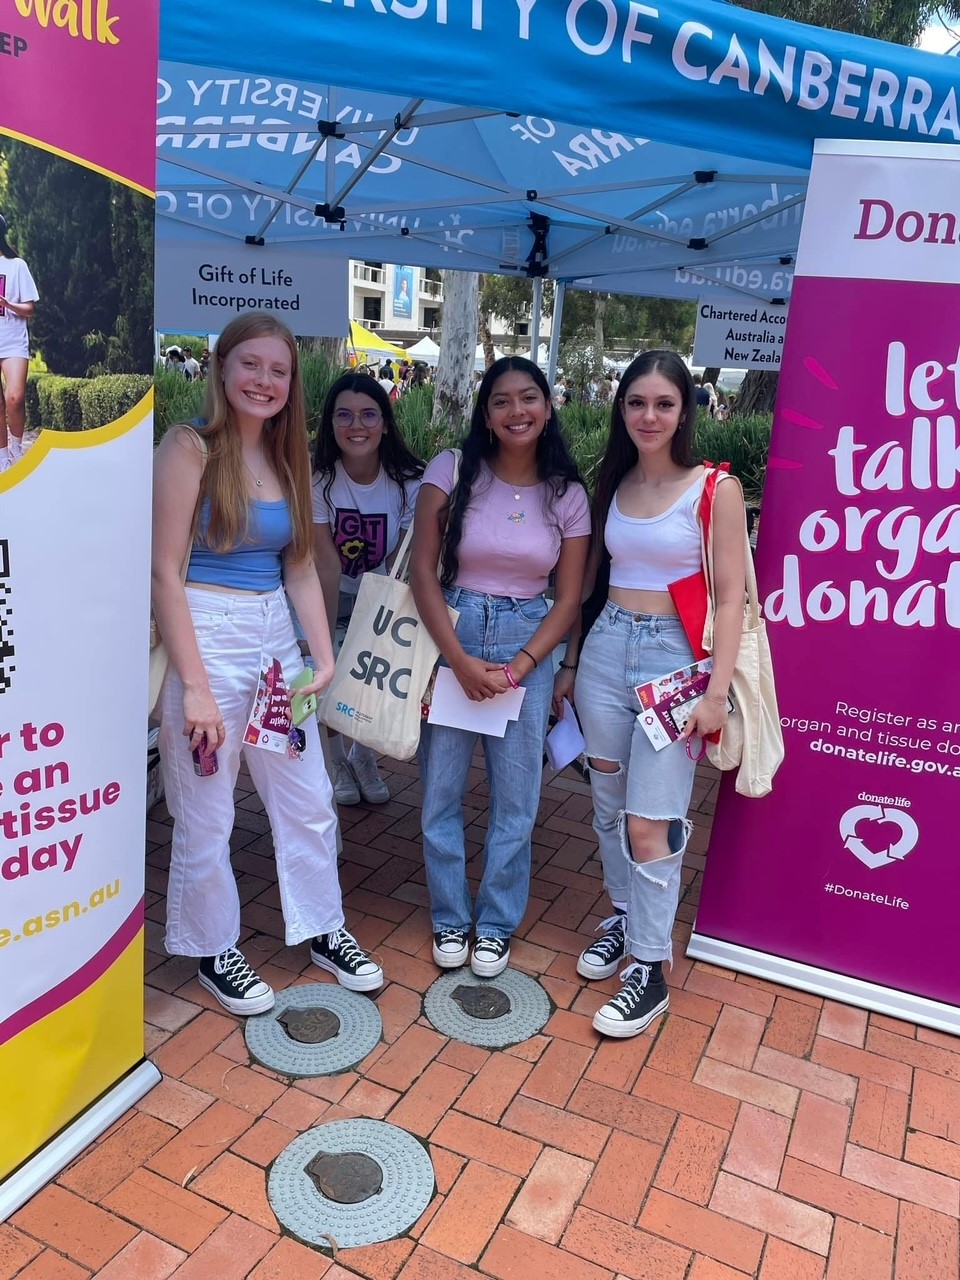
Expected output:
(712, 697)
(511, 680)
(530, 656)
(568, 666)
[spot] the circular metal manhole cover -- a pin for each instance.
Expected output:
(492, 1012)
(387, 1206)
(316, 1029)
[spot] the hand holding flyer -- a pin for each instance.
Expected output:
(667, 703)
(271, 724)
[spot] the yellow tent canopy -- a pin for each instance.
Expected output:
(366, 343)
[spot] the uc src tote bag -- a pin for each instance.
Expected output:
(384, 666)
(751, 741)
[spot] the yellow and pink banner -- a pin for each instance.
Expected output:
(74, 585)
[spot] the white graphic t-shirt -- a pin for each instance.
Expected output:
(16, 285)
(365, 520)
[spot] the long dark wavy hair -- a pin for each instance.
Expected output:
(5, 248)
(621, 454)
(555, 467)
(396, 459)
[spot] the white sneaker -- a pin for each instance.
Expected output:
(372, 787)
(14, 447)
(345, 783)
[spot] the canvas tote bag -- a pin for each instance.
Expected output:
(752, 740)
(385, 663)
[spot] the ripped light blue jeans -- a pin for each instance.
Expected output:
(494, 628)
(623, 650)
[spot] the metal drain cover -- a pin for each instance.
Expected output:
(492, 1012)
(343, 1157)
(316, 1029)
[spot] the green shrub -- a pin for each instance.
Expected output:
(60, 403)
(31, 402)
(109, 397)
(743, 441)
(319, 374)
(175, 399)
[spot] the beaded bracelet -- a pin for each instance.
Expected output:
(568, 666)
(511, 681)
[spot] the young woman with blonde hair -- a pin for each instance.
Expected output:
(232, 502)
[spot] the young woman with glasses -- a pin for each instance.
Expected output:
(365, 486)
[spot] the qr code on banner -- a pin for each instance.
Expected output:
(7, 667)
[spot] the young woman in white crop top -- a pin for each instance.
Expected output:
(245, 471)
(646, 535)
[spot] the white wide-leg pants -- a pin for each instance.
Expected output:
(237, 635)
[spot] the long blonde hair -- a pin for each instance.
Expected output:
(284, 440)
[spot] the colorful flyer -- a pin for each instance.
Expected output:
(271, 726)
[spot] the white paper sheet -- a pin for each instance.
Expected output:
(564, 741)
(452, 707)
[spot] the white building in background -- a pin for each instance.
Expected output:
(403, 304)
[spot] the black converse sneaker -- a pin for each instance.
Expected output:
(600, 960)
(234, 983)
(490, 956)
(340, 954)
(450, 948)
(643, 997)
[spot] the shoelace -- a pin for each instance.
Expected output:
(496, 945)
(635, 978)
(346, 946)
(450, 935)
(612, 940)
(235, 968)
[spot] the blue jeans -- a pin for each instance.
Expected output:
(623, 650)
(494, 628)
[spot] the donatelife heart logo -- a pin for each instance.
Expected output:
(898, 834)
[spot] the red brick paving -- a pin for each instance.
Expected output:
(754, 1133)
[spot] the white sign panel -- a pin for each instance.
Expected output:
(735, 333)
(862, 221)
(202, 284)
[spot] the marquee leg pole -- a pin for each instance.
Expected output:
(558, 297)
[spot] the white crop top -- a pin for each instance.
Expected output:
(648, 554)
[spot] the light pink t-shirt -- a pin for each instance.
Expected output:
(510, 546)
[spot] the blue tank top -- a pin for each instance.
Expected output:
(253, 565)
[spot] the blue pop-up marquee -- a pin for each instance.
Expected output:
(650, 148)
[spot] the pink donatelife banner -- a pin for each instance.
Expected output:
(844, 880)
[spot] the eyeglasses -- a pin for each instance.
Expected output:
(343, 418)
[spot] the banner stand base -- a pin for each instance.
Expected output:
(59, 1151)
(823, 982)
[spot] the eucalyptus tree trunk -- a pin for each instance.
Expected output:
(599, 309)
(335, 349)
(712, 375)
(758, 392)
(453, 383)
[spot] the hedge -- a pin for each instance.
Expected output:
(80, 404)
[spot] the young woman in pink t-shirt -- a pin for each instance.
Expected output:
(518, 513)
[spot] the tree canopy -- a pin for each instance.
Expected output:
(88, 242)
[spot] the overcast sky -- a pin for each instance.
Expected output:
(939, 39)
